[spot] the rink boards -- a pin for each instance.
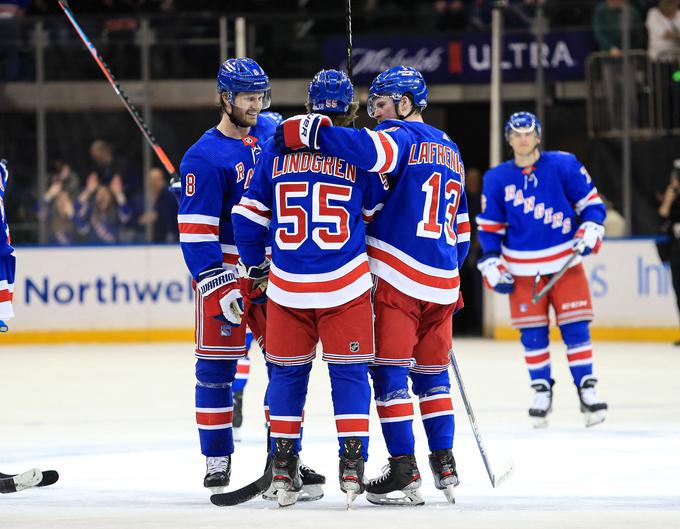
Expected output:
(139, 293)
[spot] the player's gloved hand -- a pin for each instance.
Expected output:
(175, 187)
(300, 131)
(588, 238)
(459, 303)
(220, 296)
(495, 275)
(253, 281)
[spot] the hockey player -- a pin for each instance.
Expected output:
(537, 210)
(7, 259)
(214, 173)
(415, 249)
(319, 286)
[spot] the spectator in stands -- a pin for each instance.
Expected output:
(607, 30)
(663, 28)
(103, 210)
(61, 221)
(607, 26)
(69, 181)
(107, 166)
(57, 208)
(669, 212)
(162, 214)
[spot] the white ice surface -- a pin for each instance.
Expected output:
(117, 422)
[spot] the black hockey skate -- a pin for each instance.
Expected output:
(542, 403)
(351, 469)
(218, 473)
(400, 475)
(443, 467)
(286, 477)
(237, 420)
(592, 407)
(312, 486)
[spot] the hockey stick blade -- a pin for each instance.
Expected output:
(501, 478)
(247, 493)
(49, 477)
(17, 482)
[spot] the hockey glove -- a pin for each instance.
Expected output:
(588, 238)
(253, 281)
(175, 187)
(495, 275)
(220, 296)
(300, 131)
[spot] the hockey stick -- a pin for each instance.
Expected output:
(17, 482)
(119, 91)
(536, 296)
(49, 477)
(348, 29)
(508, 469)
(247, 493)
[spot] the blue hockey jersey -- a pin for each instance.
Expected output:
(529, 215)
(315, 207)
(7, 260)
(5, 247)
(215, 171)
(422, 236)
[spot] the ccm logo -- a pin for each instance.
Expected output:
(574, 304)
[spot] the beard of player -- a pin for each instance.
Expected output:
(237, 115)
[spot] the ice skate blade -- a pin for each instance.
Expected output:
(408, 498)
(450, 494)
(286, 498)
(594, 418)
(28, 479)
(308, 493)
(351, 496)
(216, 490)
(540, 422)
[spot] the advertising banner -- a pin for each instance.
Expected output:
(102, 288)
(465, 58)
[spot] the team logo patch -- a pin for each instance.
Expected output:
(225, 330)
(523, 307)
(353, 347)
(249, 141)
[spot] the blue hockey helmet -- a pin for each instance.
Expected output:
(330, 91)
(396, 82)
(522, 122)
(243, 75)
